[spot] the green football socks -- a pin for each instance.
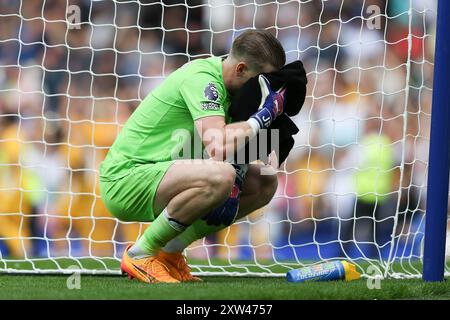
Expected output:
(157, 235)
(195, 231)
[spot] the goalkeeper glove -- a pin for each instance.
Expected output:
(272, 105)
(227, 212)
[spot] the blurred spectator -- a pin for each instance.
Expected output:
(374, 183)
(65, 94)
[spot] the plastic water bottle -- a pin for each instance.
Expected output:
(336, 270)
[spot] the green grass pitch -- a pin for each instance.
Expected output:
(28, 286)
(223, 288)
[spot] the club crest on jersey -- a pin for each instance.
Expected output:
(211, 92)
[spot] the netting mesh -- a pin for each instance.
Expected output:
(353, 187)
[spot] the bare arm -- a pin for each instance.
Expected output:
(221, 139)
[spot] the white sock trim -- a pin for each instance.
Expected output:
(174, 245)
(178, 226)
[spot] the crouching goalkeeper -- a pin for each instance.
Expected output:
(187, 200)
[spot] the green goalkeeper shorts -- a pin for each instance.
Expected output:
(131, 197)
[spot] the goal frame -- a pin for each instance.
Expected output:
(432, 259)
(439, 155)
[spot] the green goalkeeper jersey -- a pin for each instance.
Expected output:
(162, 126)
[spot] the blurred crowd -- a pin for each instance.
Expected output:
(66, 89)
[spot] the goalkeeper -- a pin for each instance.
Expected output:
(186, 200)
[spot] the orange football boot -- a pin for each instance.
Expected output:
(149, 270)
(178, 267)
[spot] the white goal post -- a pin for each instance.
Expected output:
(353, 188)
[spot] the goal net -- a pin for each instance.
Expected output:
(353, 188)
